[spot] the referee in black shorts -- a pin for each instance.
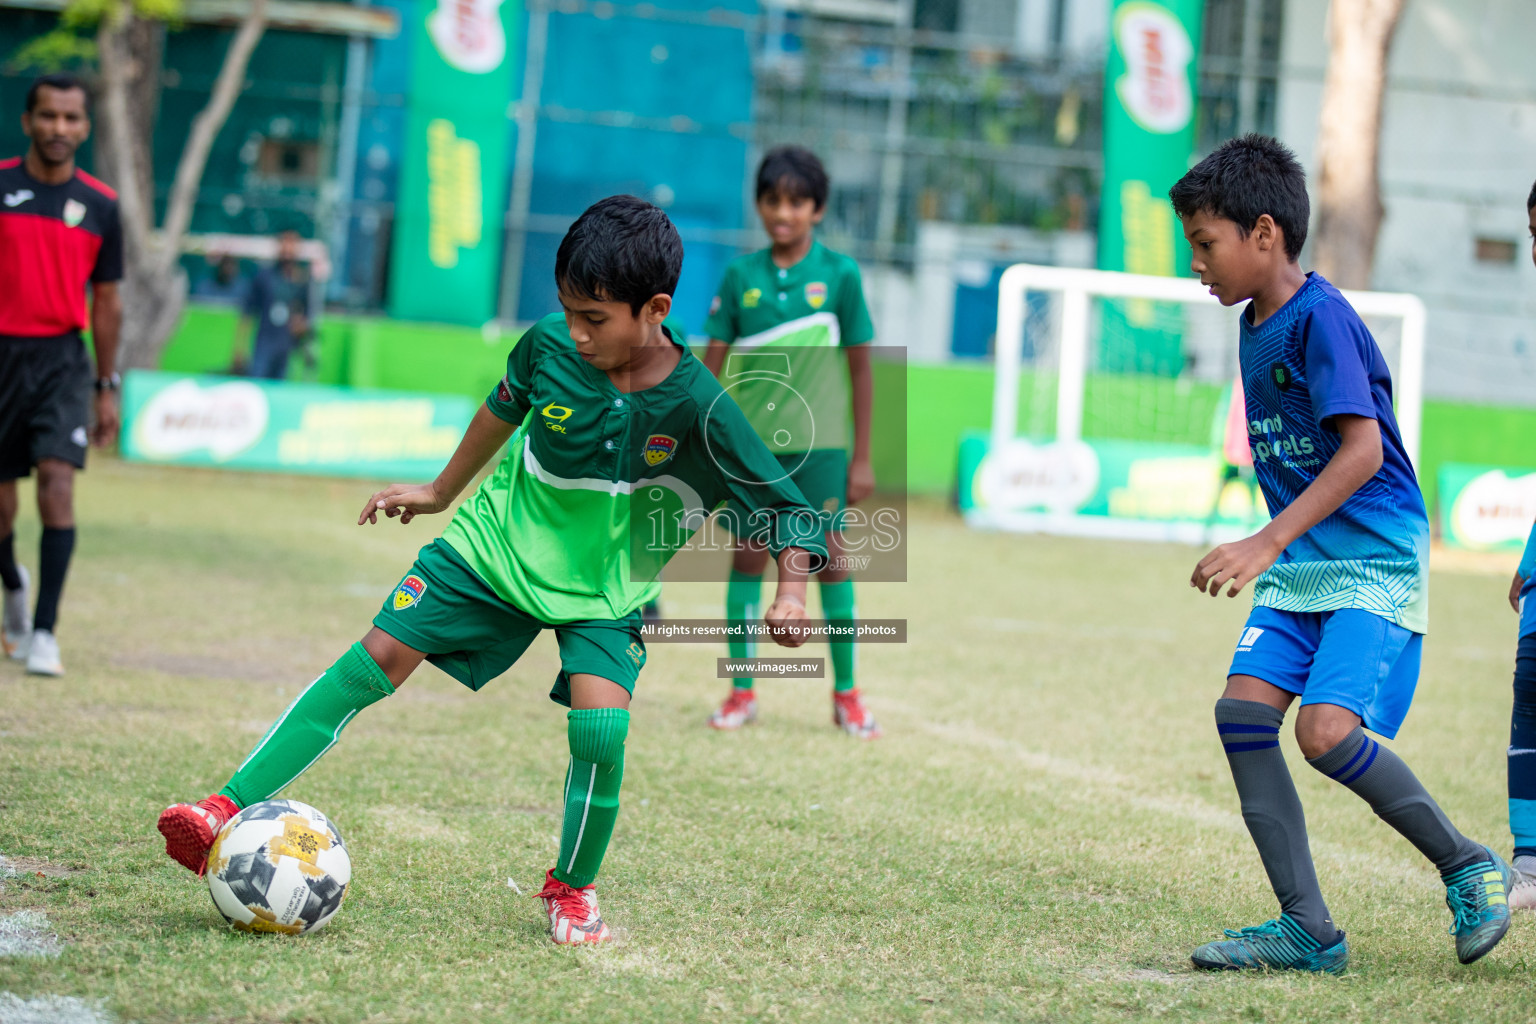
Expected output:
(59, 233)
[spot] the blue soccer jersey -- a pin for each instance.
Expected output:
(1528, 591)
(1312, 360)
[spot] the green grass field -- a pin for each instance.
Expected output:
(1045, 832)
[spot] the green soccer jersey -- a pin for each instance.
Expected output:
(785, 327)
(600, 487)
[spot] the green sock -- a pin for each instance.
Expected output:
(743, 603)
(837, 606)
(311, 726)
(592, 784)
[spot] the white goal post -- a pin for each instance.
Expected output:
(1076, 286)
(1143, 379)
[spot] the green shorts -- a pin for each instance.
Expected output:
(821, 475)
(444, 608)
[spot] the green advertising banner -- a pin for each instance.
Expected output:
(1149, 136)
(1486, 508)
(1132, 489)
(446, 253)
(237, 423)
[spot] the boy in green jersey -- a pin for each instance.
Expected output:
(610, 421)
(789, 338)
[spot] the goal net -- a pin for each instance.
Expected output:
(1115, 411)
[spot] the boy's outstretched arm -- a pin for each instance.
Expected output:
(861, 379)
(788, 609)
(1527, 566)
(486, 434)
(1241, 562)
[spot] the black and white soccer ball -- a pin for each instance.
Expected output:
(279, 866)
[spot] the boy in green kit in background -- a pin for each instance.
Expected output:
(600, 405)
(789, 339)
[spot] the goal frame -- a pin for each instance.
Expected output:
(1076, 286)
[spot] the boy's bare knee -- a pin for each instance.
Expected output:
(1321, 727)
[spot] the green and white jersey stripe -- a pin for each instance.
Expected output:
(600, 487)
(786, 327)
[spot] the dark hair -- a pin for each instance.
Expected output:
(622, 249)
(1244, 179)
(1530, 200)
(60, 80)
(793, 169)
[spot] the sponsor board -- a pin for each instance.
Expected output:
(1131, 489)
(1486, 508)
(295, 428)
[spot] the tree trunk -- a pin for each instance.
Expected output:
(139, 49)
(1349, 208)
(154, 288)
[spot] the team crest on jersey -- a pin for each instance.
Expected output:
(751, 297)
(1281, 375)
(659, 448)
(74, 212)
(409, 592)
(816, 294)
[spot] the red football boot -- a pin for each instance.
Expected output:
(850, 715)
(573, 916)
(190, 830)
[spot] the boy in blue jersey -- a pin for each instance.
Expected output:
(1522, 729)
(1340, 573)
(1522, 720)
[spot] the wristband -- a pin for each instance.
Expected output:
(111, 382)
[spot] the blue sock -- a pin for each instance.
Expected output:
(1522, 750)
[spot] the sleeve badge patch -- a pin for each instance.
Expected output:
(409, 592)
(503, 391)
(816, 294)
(659, 448)
(714, 305)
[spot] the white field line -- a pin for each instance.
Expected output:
(1382, 867)
(27, 933)
(51, 1010)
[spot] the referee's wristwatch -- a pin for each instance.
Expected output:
(111, 382)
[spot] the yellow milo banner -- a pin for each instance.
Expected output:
(1149, 136)
(235, 423)
(447, 247)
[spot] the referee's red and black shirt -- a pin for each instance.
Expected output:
(53, 240)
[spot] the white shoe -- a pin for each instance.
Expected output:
(18, 621)
(1522, 891)
(573, 916)
(43, 655)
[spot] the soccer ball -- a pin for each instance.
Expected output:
(279, 866)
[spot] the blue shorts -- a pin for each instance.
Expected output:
(1352, 658)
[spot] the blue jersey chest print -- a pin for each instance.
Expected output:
(1312, 361)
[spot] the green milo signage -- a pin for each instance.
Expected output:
(236, 423)
(1149, 136)
(447, 247)
(1486, 508)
